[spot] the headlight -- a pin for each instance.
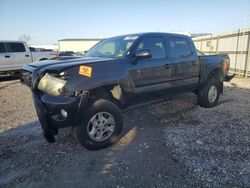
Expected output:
(52, 84)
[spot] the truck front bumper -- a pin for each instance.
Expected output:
(55, 112)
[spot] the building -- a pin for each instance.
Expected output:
(53, 47)
(77, 45)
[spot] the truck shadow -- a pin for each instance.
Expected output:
(28, 160)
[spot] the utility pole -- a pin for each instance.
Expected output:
(242, 43)
(247, 52)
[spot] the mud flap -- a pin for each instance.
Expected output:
(228, 78)
(48, 137)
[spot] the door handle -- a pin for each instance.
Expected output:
(7, 56)
(27, 55)
(167, 66)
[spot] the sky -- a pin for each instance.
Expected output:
(48, 21)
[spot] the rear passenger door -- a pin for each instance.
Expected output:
(18, 53)
(152, 74)
(184, 63)
(5, 59)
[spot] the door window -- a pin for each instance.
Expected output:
(2, 48)
(155, 45)
(179, 47)
(16, 47)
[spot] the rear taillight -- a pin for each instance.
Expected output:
(226, 64)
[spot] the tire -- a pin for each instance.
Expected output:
(100, 110)
(208, 95)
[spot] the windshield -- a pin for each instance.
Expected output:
(117, 47)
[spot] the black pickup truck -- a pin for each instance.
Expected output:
(88, 93)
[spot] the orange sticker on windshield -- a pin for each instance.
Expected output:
(85, 71)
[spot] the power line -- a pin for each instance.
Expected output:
(236, 23)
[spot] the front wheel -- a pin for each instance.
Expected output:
(208, 95)
(101, 126)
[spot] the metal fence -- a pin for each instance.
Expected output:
(235, 43)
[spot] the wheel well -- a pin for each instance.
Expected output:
(111, 92)
(216, 73)
(43, 59)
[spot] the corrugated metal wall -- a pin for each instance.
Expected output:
(235, 43)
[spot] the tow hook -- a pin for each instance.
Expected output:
(229, 78)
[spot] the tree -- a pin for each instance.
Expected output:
(25, 38)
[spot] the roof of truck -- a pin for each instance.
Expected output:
(133, 34)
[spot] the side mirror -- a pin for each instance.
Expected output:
(143, 54)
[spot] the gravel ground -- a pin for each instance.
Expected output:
(173, 143)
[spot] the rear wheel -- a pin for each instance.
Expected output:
(208, 95)
(101, 126)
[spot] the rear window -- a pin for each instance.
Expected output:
(16, 47)
(2, 48)
(179, 47)
(32, 49)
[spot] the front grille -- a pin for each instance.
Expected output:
(26, 77)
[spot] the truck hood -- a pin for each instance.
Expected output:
(68, 62)
(104, 71)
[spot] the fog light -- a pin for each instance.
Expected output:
(64, 113)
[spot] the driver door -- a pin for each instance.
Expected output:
(5, 58)
(154, 73)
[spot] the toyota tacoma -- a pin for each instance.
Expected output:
(88, 93)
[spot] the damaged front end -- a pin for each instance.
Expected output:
(56, 106)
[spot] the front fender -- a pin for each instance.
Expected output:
(102, 74)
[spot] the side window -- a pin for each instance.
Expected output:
(32, 49)
(179, 47)
(2, 48)
(155, 45)
(16, 47)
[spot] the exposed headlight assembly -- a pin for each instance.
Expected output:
(52, 84)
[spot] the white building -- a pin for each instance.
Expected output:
(77, 45)
(53, 47)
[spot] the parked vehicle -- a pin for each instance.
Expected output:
(15, 54)
(67, 53)
(43, 54)
(64, 55)
(88, 93)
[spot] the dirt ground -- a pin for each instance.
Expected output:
(170, 143)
